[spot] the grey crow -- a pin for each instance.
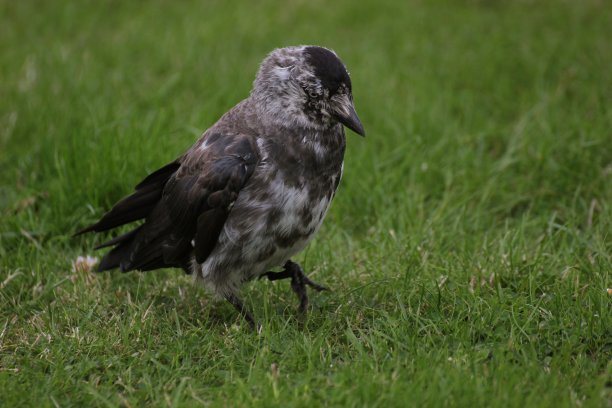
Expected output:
(253, 190)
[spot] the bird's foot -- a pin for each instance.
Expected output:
(299, 281)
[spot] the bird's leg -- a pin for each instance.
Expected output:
(237, 303)
(272, 276)
(299, 281)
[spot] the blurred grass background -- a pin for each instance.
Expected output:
(469, 247)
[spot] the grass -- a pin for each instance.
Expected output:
(468, 249)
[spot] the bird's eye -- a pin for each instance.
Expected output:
(311, 93)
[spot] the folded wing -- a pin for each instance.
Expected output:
(185, 205)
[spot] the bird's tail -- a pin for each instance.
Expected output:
(137, 205)
(138, 248)
(119, 256)
(146, 248)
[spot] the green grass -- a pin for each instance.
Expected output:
(468, 249)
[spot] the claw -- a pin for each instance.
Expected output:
(299, 281)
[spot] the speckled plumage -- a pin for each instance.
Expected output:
(253, 190)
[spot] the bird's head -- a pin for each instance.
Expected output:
(306, 86)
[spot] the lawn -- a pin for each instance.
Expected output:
(469, 248)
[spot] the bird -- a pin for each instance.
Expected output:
(252, 191)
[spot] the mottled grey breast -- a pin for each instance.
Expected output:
(279, 212)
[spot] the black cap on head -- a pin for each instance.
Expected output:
(328, 68)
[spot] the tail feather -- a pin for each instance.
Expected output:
(159, 176)
(148, 254)
(116, 257)
(150, 245)
(127, 236)
(139, 204)
(147, 247)
(132, 252)
(132, 208)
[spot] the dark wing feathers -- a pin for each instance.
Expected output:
(125, 237)
(210, 224)
(199, 204)
(159, 176)
(137, 205)
(185, 202)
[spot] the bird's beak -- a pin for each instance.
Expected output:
(344, 112)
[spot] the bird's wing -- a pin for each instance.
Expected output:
(137, 205)
(193, 200)
(199, 197)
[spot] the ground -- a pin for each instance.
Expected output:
(468, 249)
